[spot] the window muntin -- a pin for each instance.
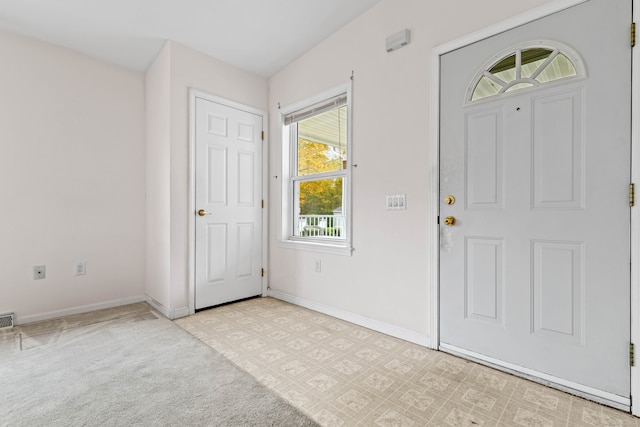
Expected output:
(526, 67)
(318, 175)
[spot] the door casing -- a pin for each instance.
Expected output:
(434, 165)
(193, 94)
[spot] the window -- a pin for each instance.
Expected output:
(529, 66)
(316, 172)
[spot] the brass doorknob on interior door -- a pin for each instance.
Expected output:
(202, 212)
(449, 221)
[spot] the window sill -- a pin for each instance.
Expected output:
(327, 248)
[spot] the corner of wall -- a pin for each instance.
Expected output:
(158, 162)
(170, 314)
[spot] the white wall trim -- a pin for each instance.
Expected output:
(166, 312)
(22, 320)
(385, 328)
(434, 211)
(506, 25)
(550, 380)
(265, 197)
(191, 246)
(434, 165)
(191, 257)
(635, 212)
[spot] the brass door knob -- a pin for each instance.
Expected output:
(449, 221)
(202, 212)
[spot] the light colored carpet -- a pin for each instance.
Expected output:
(127, 368)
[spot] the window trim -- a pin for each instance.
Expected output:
(286, 238)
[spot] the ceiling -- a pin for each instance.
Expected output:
(261, 36)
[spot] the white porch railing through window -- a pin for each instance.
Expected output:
(321, 226)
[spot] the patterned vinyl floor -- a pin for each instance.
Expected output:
(342, 374)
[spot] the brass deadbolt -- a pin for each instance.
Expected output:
(449, 200)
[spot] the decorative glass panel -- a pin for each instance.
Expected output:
(524, 68)
(559, 68)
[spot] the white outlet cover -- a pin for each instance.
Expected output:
(80, 269)
(39, 272)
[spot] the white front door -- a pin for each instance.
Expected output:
(228, 201)
(534, 273)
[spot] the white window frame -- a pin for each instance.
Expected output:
(287, 238)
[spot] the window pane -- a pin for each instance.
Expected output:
(322, 142)
(504, 64)
(320, 208)
(529, 57)
(486, 87)
(559, 68)
(532, 59)
(519, 86)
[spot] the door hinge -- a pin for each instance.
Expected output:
(632, 355)
(632, 194)
(262, 135)
(262, 273)
(632, 36)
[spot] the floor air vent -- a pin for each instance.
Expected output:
(6, 321)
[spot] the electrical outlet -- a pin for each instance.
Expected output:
(80, 269)
(318, 266)
(39, 272)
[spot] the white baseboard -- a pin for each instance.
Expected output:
(385, 328)
(166, 312)
(22, 320)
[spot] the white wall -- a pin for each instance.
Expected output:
(387, 278)
(72, 168)
(71, 180)
(185, 68)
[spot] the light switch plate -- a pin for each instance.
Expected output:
(397, 202)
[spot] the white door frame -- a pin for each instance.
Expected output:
(434, 164)
(191, 258)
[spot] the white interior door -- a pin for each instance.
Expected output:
(228, 200)
(534, 274)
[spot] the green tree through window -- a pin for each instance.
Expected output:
(320, 197)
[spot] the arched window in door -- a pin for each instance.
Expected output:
(529, 65)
